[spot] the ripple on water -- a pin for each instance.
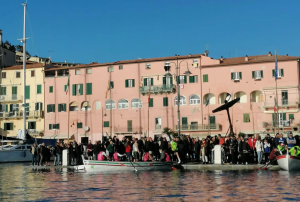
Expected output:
(21, 183)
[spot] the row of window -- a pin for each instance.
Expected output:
(257, 75)
(10, 126)
(14, 90)
(18, 74)
(15, 107)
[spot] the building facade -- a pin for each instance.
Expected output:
(11, 99)
(112, 98)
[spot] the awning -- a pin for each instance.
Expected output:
(74, 104)
(85, 104)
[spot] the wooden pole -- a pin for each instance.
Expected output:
(110, 128)
(277, 117)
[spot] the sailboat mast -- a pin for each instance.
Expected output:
(24, 70)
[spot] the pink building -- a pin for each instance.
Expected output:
(90, 102)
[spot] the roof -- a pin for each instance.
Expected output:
(30, 66)
(95, 64)
(252, 59)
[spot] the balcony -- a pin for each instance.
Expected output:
(15, 114)
(158, 89)
(128, 130)
(282, 124)
(199, 127)
(12, 98)
(282, 103)
(35, 132)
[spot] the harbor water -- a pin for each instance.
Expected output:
(20, 182)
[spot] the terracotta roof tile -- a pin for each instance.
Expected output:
(29, 66)
(127, 62)
(253, 59)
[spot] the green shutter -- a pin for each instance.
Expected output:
(171, 80)
(79, 125)
(246, 118)
(231, 75)
(50, 89)
(126, 83)
(3, 90)
(151, 81)
(240, 74)
(50, 126)
(184, 79)
(81, 89)
(145, 82)
(253, 74)
(111, 84)
(106, 124)
(284, 116)
(205, 78)
(165, 101)
(27, 107)
(33, 125)
(262, 74)
(89, 88)
(39, 89)
(5, 126)
(291, 116)
(64, 107)
(281, 72)
(6, 108)
(133, 83)
(17, 107)
(164, 80)
(57, 126)
(151, 102)
(14, 90)
(59, 107)
(11, 126)
(74, 89)
(27, 92)
(184, 121)
(191, 79)
(273, 72)
(53, 108)
(11, 107)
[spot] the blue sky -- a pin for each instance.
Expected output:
(107, 31)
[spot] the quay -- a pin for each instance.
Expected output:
(194, 166)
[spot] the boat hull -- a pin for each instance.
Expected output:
(113, 166)
(7, 156)
(289, 163)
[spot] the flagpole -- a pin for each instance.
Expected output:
(68, 107)
(149, 81)
(208, 113)
(110, 128)
(276, 74)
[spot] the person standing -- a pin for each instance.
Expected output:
(258, 147)
(110, 149)
(267, 149)
(90, 150)
(233, 144)
(34, 152)
(135, 151)
(42, 154)
(251, 142)
(291, 141)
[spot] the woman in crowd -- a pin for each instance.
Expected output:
(259, 149)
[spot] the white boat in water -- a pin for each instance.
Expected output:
(289, 163)
(114, 166)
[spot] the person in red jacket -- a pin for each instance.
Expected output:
(221, 140)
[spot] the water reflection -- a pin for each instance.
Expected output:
(21, 182)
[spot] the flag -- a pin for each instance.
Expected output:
(108, 88)
(207, 101)
(276, 68)
(275, 105)
(67, 86)
(149, 82)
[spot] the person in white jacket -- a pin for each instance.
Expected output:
(259, 149)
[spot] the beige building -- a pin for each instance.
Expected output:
(11, 99)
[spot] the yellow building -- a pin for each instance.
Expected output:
(11, 99)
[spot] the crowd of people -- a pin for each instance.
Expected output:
(235, 149)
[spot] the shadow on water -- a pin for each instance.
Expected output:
(21, 182)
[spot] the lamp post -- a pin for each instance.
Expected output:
(168, 75)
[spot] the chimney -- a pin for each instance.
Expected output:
(246, 58)
(65, 61)
(269, 54)
(190, 55)
(221, 58)
(0, 37)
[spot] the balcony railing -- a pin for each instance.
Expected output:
(282, 103)
(281, 124)
(157, 127)
(158, 89)
(199, 127)
(123, 130)
(16, 114)
(11, 98)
